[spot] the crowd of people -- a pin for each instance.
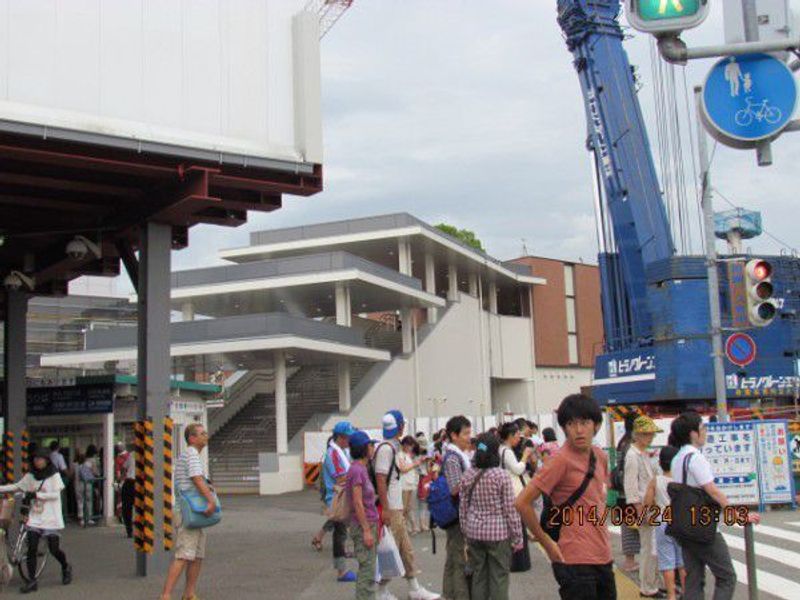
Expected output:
(510, 485)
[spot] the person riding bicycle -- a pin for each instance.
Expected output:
(42, 502)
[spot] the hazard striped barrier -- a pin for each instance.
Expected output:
(311, 472)
(138, 501)
(618, 413)
(148, 529)
(8, 455)
(24, 446)
(168, 494)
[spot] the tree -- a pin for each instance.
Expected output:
(464, 235)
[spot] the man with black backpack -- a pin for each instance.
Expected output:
(459, 433)
(390, 498)
(574, 481)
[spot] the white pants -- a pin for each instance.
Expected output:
(648, 561)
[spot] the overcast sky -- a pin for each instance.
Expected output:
(470, 112)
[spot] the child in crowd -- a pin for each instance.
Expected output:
(364, 521)
(575, 478)
(408, 462)
(670, 556)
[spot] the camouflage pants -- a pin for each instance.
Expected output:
(367, 557)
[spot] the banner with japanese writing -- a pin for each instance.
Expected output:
(775, 469)
(732, 450)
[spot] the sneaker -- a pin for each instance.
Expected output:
(29, 587)
(66, 575)
(348, 577)
(423, 594)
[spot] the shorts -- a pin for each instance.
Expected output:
(190, 544)
(670, 555)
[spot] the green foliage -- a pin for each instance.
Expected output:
(465, 235)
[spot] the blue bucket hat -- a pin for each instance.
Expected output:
(393, 421)
(344, 428)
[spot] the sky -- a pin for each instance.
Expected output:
(470, 112)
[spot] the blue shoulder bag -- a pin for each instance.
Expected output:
(193, 504)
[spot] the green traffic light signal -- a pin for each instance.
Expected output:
(657, 10)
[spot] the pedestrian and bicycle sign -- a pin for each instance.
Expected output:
(748, 99)
(740, 349)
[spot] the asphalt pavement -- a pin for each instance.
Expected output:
(262, 550)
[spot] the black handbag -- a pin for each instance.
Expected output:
(521, 559)
(551, 515)
(694, 512)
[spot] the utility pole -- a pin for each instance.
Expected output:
(711, 263)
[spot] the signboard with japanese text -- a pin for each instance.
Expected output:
(775, 472)
(71, 400)
(732, 450)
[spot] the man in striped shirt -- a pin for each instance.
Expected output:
(190, 544)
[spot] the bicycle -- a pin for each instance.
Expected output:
(760, 111)
(17, 544)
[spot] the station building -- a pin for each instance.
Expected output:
(349, 319)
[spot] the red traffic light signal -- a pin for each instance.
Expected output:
(761, 306)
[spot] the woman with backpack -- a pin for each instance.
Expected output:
(42, 487)
(489, 521)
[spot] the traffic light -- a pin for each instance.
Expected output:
(761, 305)
(666, 16)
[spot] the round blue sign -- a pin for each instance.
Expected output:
(740, 349)
(748, 99)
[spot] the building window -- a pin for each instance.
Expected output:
(572, 344)
(571, 319)
(569, 280)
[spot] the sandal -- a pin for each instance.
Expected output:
(317, 544)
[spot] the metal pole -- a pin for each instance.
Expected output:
(750, 19)
(750, 557)
(711, 265)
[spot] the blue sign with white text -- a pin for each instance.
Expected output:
(748, 98)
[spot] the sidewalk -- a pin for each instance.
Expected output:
(261, 551)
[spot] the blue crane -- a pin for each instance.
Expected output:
(655, 305)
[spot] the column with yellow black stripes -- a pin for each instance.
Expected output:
(23, 448)
(168, 494)
(149, 489)
(8, 457)
(138, 503)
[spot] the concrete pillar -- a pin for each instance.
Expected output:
(407, 330)
(187, 314)
(108, 469)
(187, 311)
(344, 310)
(493, 297)
(15, 410)
(473, 284)
(404, 256)
(452, 282)
(281, 414)
(430, 284)
(154, 366)
(344, 386)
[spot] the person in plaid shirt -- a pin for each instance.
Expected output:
(489, 521)
(456, 462)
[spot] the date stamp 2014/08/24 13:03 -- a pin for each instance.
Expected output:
(652, 516)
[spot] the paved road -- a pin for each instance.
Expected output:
(262, 551)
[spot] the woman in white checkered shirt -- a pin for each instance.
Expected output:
(489, 520)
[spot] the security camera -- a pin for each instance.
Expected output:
(15, 281)
(79, 247)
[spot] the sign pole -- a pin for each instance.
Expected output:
(750, 18)
(711, 265)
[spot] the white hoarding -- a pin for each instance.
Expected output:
(234, 81)
(777, 485)
(732, 450)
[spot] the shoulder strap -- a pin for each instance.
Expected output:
(393, 464)
(576, 495)
(472, 488)
(686, 460)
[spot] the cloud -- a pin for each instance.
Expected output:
(471, 113)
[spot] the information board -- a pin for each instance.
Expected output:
(71, 400)
(732, 450)
(774, 463)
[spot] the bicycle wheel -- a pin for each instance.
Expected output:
(772, 115)
(743, 117)
(22, 558)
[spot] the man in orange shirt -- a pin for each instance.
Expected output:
(574, 481)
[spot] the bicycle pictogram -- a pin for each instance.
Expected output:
(758, 112)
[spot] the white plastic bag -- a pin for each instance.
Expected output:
(389, 563)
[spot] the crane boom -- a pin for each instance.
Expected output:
(617, 136)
